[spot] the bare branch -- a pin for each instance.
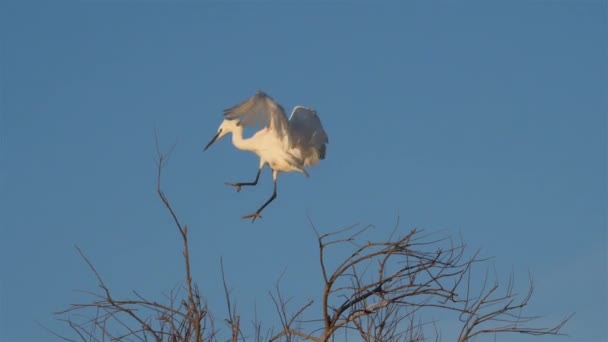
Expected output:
(381, 290)
(141, 319)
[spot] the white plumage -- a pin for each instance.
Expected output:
(285, 145)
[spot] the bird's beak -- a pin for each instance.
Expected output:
(212, 140)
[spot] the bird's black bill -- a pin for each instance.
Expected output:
(212, 141)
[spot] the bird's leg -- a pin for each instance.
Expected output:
(239, 185)
(257, 213)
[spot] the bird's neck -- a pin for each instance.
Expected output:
(239, 142)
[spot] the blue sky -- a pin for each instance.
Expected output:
(480, 118)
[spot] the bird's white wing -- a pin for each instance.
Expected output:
(261, 110)
(307, 130)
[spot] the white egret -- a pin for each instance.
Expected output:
(284, 145)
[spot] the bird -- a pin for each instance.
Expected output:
(285, 145)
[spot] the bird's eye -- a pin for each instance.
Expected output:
(238, 123)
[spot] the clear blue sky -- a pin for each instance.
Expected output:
(483, 118)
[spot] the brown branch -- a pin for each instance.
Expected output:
(141, 319)
(436, 278)
(196, 315)
(286, 322)
(233, 320)
(381, 291)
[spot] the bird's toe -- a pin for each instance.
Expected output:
(253, 216)
(237, 186)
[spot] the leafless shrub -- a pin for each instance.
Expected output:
(383, 290)
(179, 319)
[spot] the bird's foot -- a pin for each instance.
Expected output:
(236, 185)
(254, 215)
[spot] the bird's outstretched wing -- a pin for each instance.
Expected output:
(261, 110)
(307, 131)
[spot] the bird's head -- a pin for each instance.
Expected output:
(227, 126)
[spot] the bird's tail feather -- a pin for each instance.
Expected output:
(322, 150)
